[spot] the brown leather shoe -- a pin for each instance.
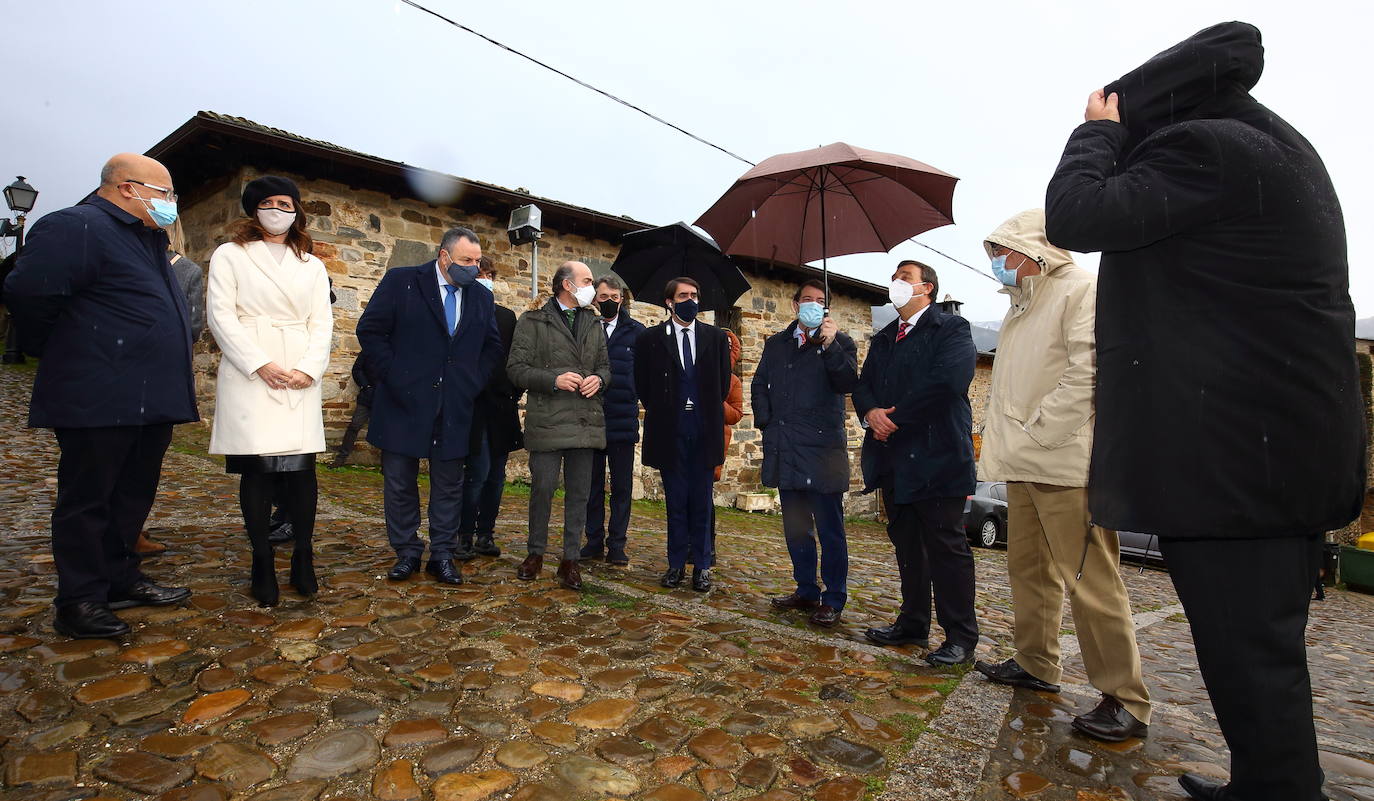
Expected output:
(825, 616)
(1110, 722)
(529, 569)
(147, 547)
(793, 601)
(568, 574)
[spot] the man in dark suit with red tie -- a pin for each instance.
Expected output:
(913, 399)
(430, 357)
(682, 373)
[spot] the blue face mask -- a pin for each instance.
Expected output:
(488, 283)
(686, 310)
(999, 269)
(810, 314)
(462, 275)
(163, 212)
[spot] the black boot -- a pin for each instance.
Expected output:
(465, 553)
(264, 581)
(486, 545)
(303, 569)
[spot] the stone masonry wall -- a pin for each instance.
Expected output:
(359, 234)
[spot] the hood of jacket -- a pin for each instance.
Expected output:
(1208, 75)
(1025, 233)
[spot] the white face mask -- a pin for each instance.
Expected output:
(585, 295)
(275, 221)
(900, 293)
(488, 283)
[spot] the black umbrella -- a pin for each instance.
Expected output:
(649, 259)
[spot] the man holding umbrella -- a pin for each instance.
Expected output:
(682, 372)
(798, 395)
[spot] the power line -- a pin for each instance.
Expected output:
(581, 83)
(629, 105)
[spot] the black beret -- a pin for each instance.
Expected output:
(262, 188)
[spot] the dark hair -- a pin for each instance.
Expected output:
(486, 265)
(452, 235)
(248, 229)
(811, 283)
(610, 281)
(563, 273)
(927, 276)
(670, 288)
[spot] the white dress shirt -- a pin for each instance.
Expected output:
(457, 296)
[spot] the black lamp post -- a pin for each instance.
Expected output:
(20, 197)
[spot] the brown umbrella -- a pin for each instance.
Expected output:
(829, 201)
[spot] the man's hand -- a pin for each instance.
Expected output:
(1102, 107)
(274, 376)
(298, 380)
(878, 423)
(826, 333)
(568, 382)
(590, 386)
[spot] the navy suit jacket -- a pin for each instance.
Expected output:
(427, 382)
(94, 296)
(926, 378)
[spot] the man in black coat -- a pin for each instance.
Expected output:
(1229, 417)
(621, 408)
(798, 395)
(682, 373)
(94, 296)
(913, 399)
(362, 411)
(430, 358)
(495, 433)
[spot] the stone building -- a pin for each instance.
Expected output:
(368, 214)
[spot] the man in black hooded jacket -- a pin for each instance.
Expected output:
(1229, 414)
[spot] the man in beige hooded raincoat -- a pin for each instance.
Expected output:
(1037, 438)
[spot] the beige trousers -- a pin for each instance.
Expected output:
(1047, 534)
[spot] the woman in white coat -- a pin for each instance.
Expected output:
(268, 306)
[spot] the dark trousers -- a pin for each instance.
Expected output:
(489, 501)
(1246, 601)
(106, 482)
(475, 469)
(687, 496)
(576, 464)
(806, 517)
(620, 457)
(932, 552)
(361, 414)
(401, 502)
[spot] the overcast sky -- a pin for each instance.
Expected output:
(988, 91)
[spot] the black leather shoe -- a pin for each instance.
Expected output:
(444, 571)
(1009, 672)
(618, 558)
(591, 552)
(896, 635)
(1110, 722)
(465, 553)
(88, 621)
(486, 546)
(701, 579)
(672, 578)
(793, 601)
(1200, 787)
(825, 616)
(403, 569)
(949, 654)
(145, 593)
(281, 532)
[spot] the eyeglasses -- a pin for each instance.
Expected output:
(167, 193)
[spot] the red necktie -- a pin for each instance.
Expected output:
(902, 330)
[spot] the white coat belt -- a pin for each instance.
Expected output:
(284, 342)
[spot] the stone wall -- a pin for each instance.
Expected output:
(359, 234)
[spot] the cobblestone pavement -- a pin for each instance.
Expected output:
(502, 689)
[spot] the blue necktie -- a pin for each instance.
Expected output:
(451, 307)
